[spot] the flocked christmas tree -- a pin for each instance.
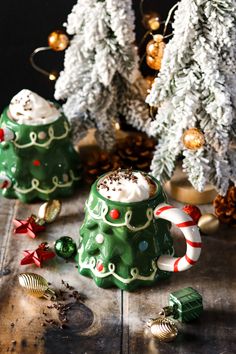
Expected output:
(101, 78)
(196, 88)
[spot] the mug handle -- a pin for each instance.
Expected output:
(192, 237)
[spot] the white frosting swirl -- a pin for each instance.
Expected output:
(122, 188)
(29, 108)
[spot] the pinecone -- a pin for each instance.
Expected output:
(136, 151)
(225, 207)
(99, 163)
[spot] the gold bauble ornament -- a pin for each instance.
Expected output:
(151, 21)
(153, 63)
(152, 48)
(49, 211)
(35, 284)
(208, 224)
(163, 329)
(58, 40)
(193, 139)
(155, 52)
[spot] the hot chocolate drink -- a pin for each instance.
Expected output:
(127, 186)
(125, 237)
(31, 109)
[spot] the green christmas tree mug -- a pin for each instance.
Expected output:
(37, 158)
(129, 244)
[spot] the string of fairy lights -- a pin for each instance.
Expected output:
(58, 40)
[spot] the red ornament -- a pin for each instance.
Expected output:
(38, 256)
(36, 163)
(193, 211)
(99, 267)
(114, 214)
(28, 227)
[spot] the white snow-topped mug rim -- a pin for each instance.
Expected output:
(40, 121)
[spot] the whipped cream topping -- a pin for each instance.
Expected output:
(125, 186)
(31, 109)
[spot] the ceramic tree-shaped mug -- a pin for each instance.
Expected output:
(37, 158)
(128, 243)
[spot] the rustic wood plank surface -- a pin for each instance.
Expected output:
(95, 325)
(215, 278)
(111, 321)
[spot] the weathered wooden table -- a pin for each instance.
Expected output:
(111, 321)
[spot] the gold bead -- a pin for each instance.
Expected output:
(208, 224)
(193, 139)
(58, 40)
(49, 211)
(151, 21)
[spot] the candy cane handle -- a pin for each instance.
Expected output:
(192, 237)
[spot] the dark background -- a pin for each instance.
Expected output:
(25, 25)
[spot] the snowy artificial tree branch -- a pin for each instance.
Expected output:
(101, 78)
(196, 87)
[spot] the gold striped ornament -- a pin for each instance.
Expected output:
(163, 329)
(49, 211)
(36, 285)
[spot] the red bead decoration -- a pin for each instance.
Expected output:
(99, 267)
(193, 211)
(1, 135)
(36, 163)
(114, 214)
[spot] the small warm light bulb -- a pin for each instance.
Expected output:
(117, 126)
(52, 76)
(58, 40)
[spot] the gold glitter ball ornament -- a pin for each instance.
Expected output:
(35, 284)
(151, 21)
(155, 52)
(163, 329)
(208, 224)
(49, 211)
(193, 139)
(58, 40)
(153, 63)
(152, 48)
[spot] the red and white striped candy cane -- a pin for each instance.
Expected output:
(192, 236)
(6, 134)
(5, 182)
